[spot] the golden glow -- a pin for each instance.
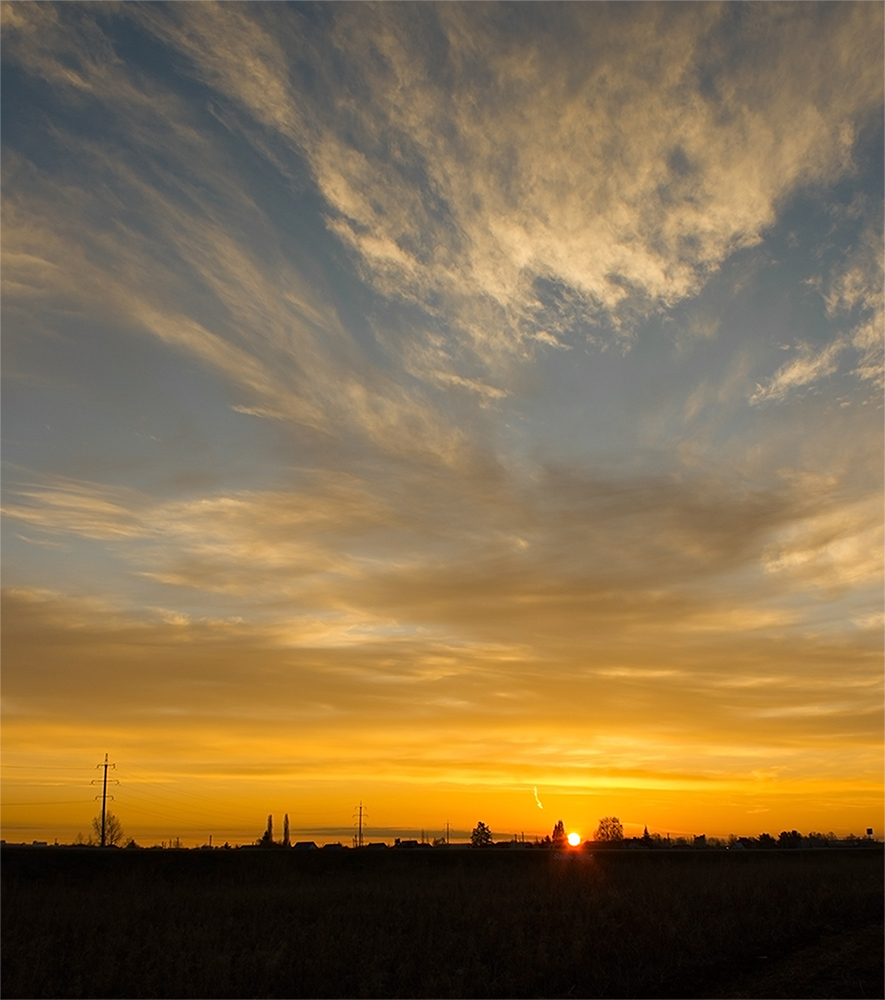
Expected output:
(574, 839)
(380, 440)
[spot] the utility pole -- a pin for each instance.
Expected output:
(447, 833)
(104, 798)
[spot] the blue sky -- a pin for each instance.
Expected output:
(492, 392)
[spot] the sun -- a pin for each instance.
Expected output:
(574, 839)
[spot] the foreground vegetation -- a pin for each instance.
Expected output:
(428, 924)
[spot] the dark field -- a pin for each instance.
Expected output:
(92, 923)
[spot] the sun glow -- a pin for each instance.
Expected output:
(574, 839)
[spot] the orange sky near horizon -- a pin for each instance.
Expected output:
(224, 775)
(432, 405)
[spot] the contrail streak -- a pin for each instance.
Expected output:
(535, 790)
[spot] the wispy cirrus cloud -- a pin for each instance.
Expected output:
(854, 300)
(837, 548)
(458, 190)
(629, 211)
(275, 339)
(807, 368)
(478, 561)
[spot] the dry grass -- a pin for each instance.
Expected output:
(421, 924)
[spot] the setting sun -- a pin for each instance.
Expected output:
(574, 839)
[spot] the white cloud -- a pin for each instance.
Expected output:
(547, 338)
(620, 154)
(590, 151)
(856, 297)
(838, 548)
(809, 367)
(268, 332)
(487, 392)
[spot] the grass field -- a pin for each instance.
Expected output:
(93, 923)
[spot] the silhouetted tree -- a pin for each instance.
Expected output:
(646, 837)
(481, 836)
(558, 836)
(286, 841)
(766, 840)
(266, 839)
(113, 829)
(790, 839)
(610, 829)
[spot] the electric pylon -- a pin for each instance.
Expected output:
(359, 814)
(104, 797)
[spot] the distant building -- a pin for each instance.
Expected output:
(304, 845)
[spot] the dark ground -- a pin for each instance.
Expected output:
(110, 923)
(842, 964)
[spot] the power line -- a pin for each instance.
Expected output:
(136, 792)
(63, 802)
(42, 784)
(171, 785)
(46, 767)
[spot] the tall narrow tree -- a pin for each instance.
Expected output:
(266, 839)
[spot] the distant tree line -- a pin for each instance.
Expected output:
(609, 831)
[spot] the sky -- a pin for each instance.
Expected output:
(469, 410)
